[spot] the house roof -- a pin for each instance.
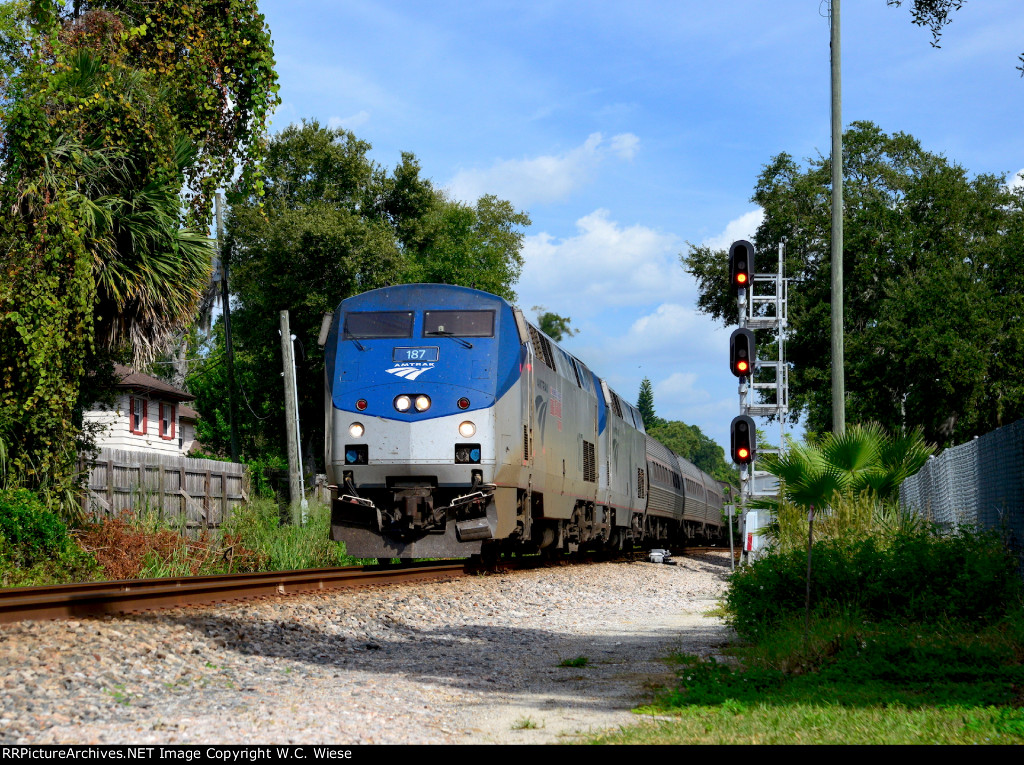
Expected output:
(136, 381)
(186, 412)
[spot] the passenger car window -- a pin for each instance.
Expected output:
(458, 323)
(370, 325)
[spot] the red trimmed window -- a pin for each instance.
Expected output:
(138, 409)
(167, 412)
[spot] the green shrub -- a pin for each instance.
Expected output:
(260, 470)
(914, 575)
(35, 545)
(31, 533)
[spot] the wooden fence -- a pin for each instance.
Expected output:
(202, 492)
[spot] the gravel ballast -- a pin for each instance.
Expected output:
(473, 660)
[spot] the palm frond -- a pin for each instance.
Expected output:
(883, 483)
(817, 489)
(906, 453)
(796, 463)
(855, 449)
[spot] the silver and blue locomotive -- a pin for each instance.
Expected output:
(456, 427)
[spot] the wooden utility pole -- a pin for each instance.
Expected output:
(838, 375)
(290, 416)
(228, 347)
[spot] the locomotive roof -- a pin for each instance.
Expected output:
(435, 293)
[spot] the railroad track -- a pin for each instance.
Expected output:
(67, 601)
(72, 601)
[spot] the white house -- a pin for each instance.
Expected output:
(148, 415)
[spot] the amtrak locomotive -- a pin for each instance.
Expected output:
(456, 427)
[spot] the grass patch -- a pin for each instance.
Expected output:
(36, 547)
(258, 526)
(526, 723)
(144, 546)
(851, 683)
(817, 724)
(579, 661)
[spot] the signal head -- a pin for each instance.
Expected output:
(741, 264)
(743, 440)
(742, 352)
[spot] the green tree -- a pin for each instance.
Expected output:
(330, 224)
(645, 403)
(932, 298)
(934, 14)
(553, 325)
(851, 481)
(109, 111)
(472, 245)
(689, 441)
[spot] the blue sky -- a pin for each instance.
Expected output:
(626, 130)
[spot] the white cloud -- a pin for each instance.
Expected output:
(625, 145)
(350, 123)
(1017, 182)
(625, 289)
(743, 227)
(542, 179)
(679, 385)
(605, 265)
(672, 331)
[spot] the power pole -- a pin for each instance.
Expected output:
(838, 374)
(290, 415)
(298, 440)
(228, 347)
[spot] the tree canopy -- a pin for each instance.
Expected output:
(553, 325)
(331, 224)
(689, 441)
(933, 299)
(645, 403)
(934, 14)
(112, 113)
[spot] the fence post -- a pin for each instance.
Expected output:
(110, 485)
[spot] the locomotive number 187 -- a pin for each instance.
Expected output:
(414, 354)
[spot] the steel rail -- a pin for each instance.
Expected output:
(71, 601)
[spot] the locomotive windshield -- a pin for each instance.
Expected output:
(458, 323)
(370, 325)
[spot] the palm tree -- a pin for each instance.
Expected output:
(863, 458)
(150, 271)
(851, 478)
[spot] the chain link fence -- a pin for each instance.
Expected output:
(980, 483)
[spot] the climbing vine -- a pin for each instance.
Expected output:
(110, 112)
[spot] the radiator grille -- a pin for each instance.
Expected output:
(589, 463)
(640, 483)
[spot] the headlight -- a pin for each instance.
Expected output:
(356, 430)
(467, 429)
(422, 403)
(402, 403)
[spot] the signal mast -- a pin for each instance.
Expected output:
(768, 310)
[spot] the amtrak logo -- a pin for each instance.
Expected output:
(408, 373)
